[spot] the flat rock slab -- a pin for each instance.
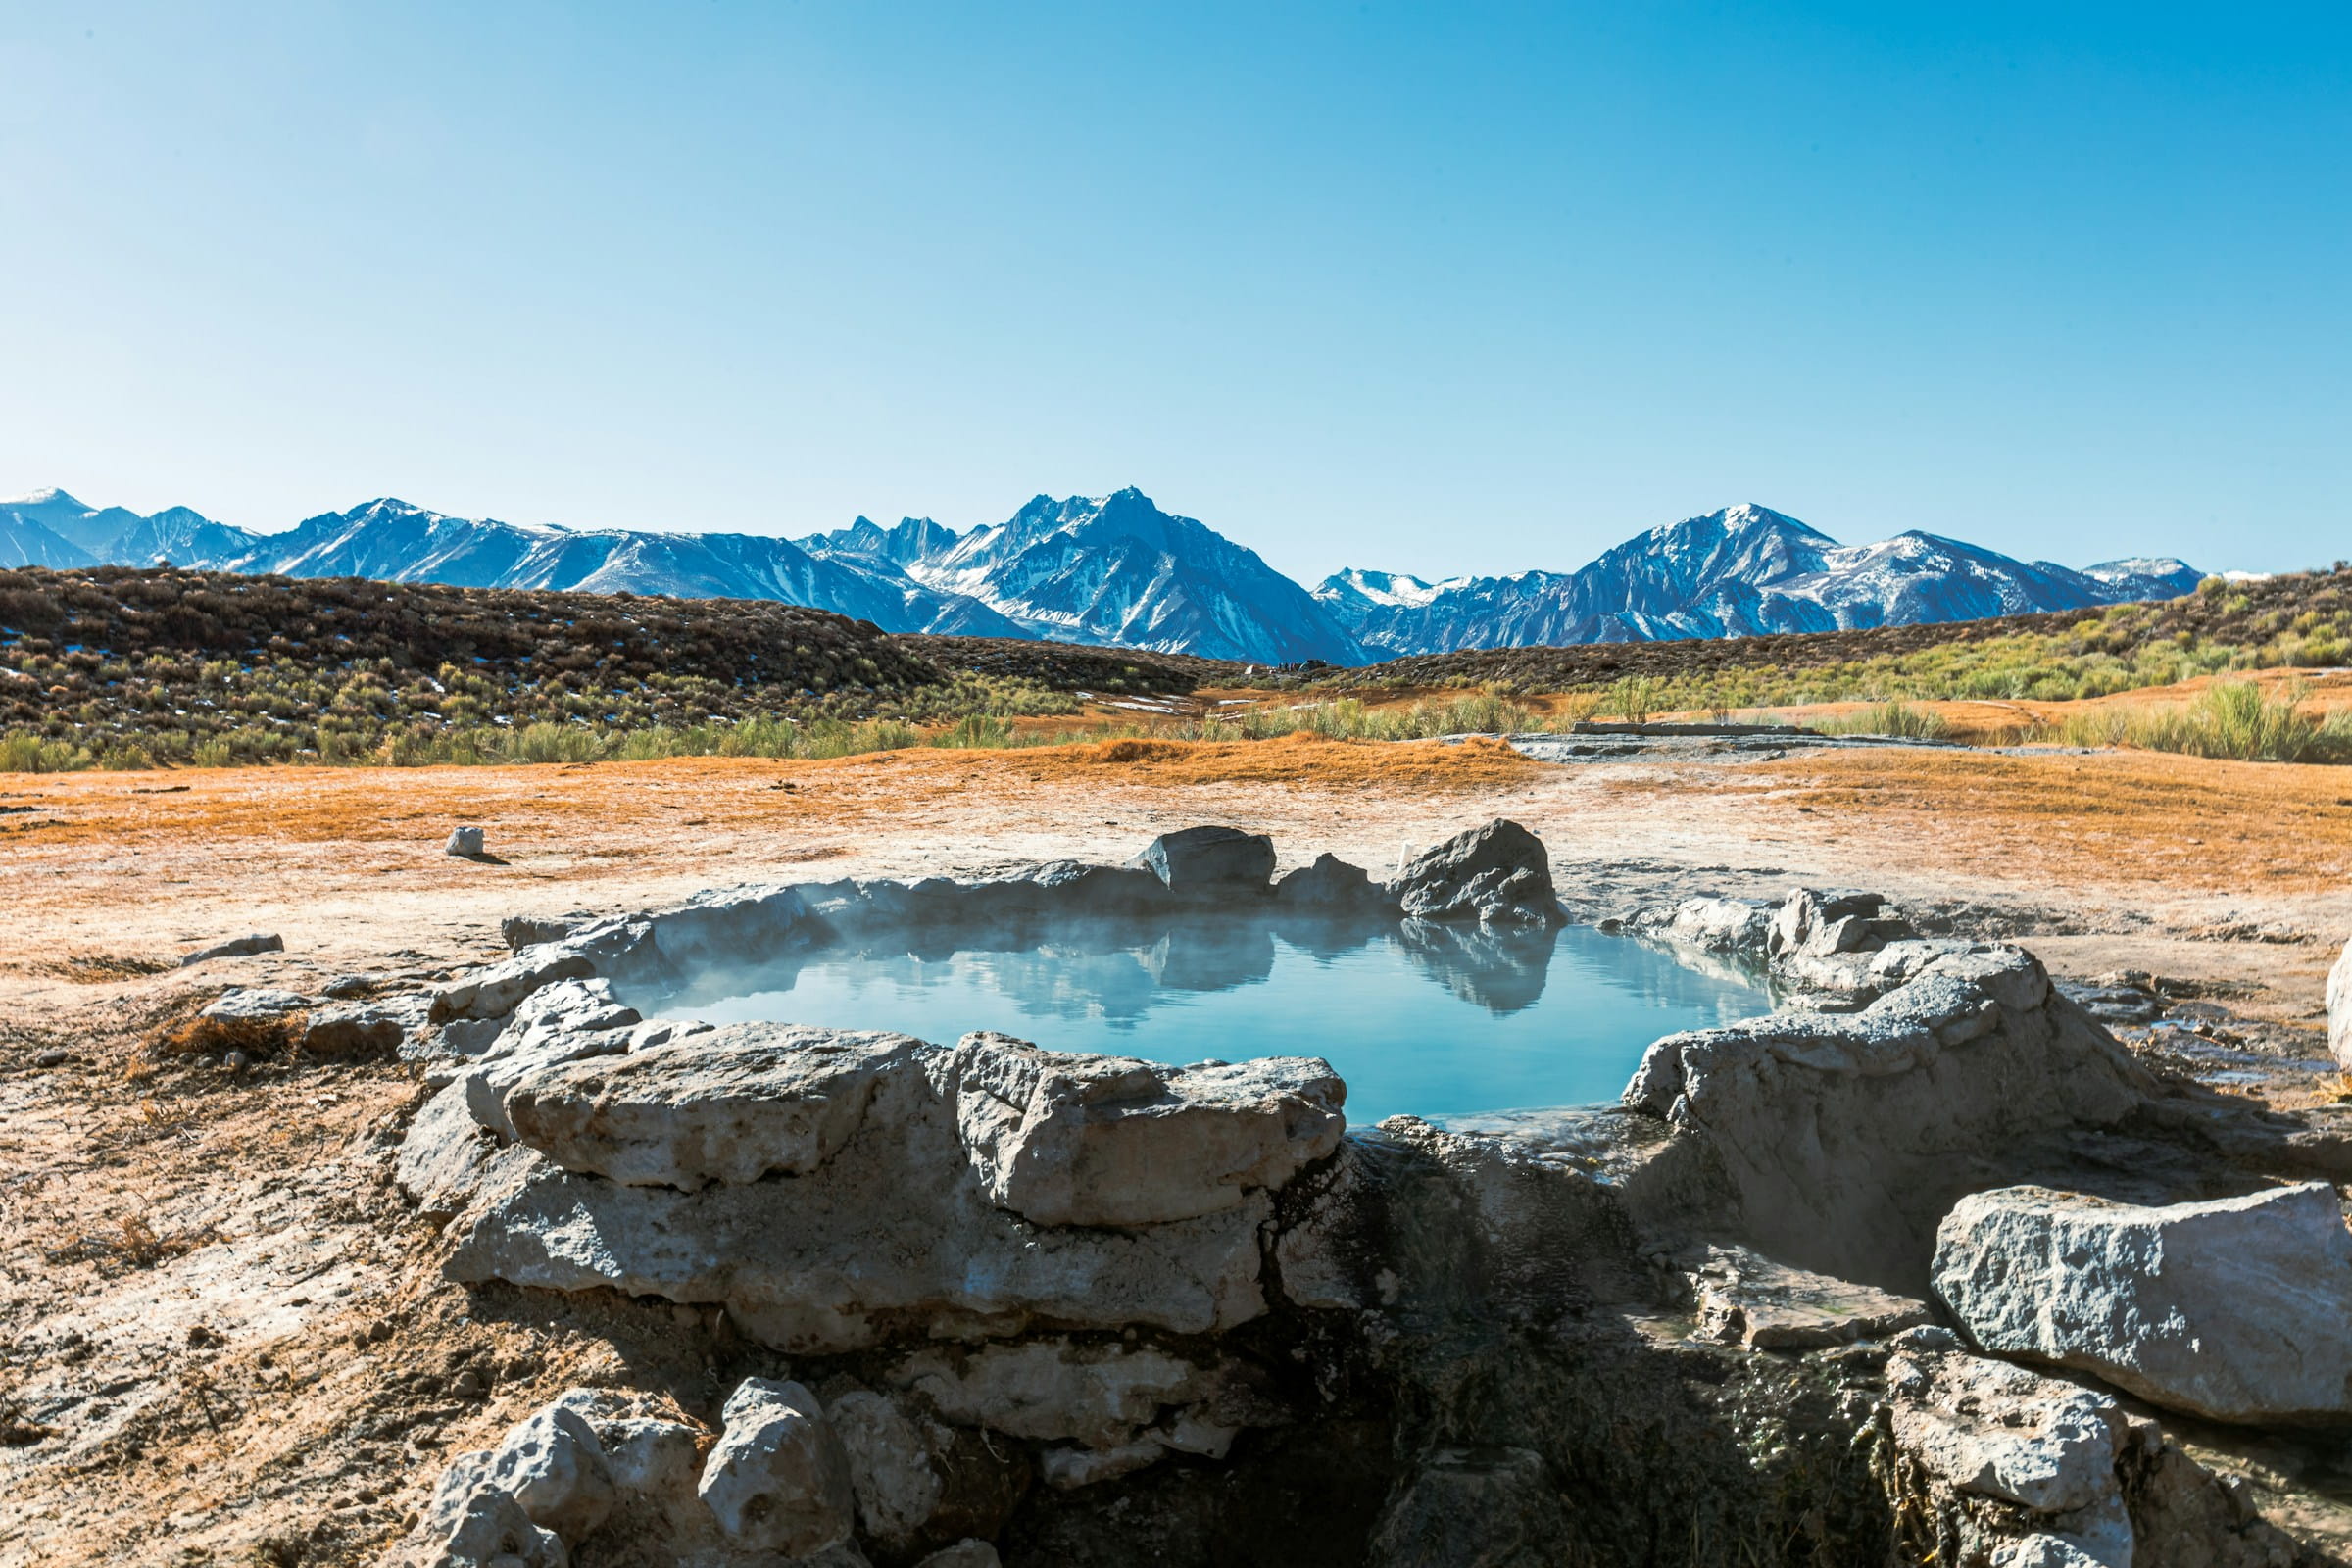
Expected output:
(731, 1107)
(2238, 1309)
(1746, 1298)
(892, 1227)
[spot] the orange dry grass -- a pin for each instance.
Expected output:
(2109, 818)
(1300, 759)
(570, 806)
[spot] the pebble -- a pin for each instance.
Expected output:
(53, 1058)
(236, 1060)
(467, 1385)
(465, 841)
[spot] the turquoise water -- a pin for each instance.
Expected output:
(1433, 1021)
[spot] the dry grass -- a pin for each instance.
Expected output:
(792, 810)
(2120, 817)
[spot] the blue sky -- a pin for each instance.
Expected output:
(1433, 287)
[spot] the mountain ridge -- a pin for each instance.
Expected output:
(1118, 570)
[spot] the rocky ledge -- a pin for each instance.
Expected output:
(1808, 1295)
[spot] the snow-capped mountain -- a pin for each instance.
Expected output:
(910, 541)
(1739, 572)
(1117, 570)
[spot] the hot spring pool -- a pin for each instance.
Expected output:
(1435, 1021)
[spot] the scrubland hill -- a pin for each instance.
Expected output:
(121, 667)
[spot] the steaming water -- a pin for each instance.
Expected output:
(1433, 1021)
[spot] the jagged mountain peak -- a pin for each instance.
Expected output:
(46, 496)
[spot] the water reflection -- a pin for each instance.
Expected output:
(1431, 1019)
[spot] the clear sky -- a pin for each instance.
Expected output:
(1438, 287)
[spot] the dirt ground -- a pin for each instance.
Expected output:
(218, 1340)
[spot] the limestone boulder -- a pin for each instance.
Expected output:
(493, 990)
(2236, 1309)
(2031, 1462)
(520, 931)
(553, 1465)
(471, 1522)
(356, 1029)
(777, 1480)
(894, 1227)
(1850, 1136)
(1104, 1409)
(892, 1471)
(2339, 1009)
(1717, 925)
(1330, 884)
(1210, 861)
(772, 1099)
(1067, 1140)
(1498, 872)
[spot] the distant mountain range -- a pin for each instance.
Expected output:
(1737, 572)
(1116, 570)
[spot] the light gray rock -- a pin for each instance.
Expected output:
(471, 1523)
(778, 1480)
(465, 842)
(1101, 1395)
(2042, 1453)
(895, 1223)
(520, 931)
(248, 1005)
(892, 1472)
(2339, 1009)
(447, 1154)
(237, 948)
(492, 991)
(489, 1083)
(564, 1008)
(774, 1099)
(1210, 860)
(2234, 1309)
(354, 1029)
(348, 987)
(1069, 1139)
(654, 1461)
(1498, 872)
(1810, 923)
(1848, 1137)
(1720, 925)
(553, 1464)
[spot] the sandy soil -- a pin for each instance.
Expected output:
(218, 1341)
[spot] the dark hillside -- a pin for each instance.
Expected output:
(1075, 666)
(133, 613)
